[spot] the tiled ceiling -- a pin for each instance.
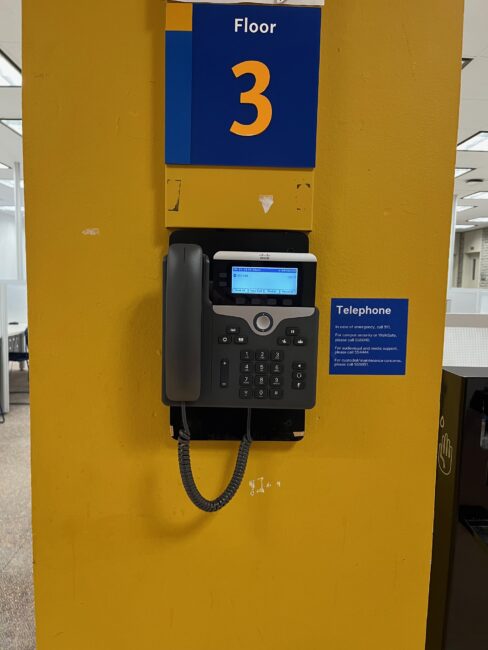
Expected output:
(10, 98)
(473, 115)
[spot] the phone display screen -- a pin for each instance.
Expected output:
(269, 280)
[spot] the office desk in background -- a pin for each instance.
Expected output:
(16, 343)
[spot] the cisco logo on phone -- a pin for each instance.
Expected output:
(264, 256)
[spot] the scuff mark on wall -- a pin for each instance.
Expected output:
(91, 232)
(266, 201)
(304, 197)
(173, 194)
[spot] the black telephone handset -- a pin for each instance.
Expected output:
(184, 275)
(183, 282)
(240, 330)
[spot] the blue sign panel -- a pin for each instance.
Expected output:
(252, 90)
(368, 336)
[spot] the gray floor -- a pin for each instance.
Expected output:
(16, 592)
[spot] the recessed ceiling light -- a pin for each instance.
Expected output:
(2, 166)
(464, 227)
(7, 208)
(462, 208)
(9, 183)
(476, 195)
(477, 142)
(15, 125)
(10, 74)
(459, 171)
(479, 220)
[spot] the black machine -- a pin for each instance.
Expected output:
(240, 337)
(458, 598)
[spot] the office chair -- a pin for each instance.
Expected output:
(20, 357)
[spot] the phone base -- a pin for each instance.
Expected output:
(273, 425)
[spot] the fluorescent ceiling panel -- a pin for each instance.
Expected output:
(10, 183)
(459, 171)
(462, 208)
(10, 74)
(479, 220)
(15, 125)
(477, 142)
(464, 227)
(2, 166)
(476, 195)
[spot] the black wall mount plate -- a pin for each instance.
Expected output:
(286, 425)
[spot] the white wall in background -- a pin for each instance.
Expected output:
(17, 302)
(8, 247)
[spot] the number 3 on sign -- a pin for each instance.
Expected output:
(254, 96)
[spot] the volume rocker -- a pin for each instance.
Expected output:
(224, 373)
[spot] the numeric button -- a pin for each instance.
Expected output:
(260, 367)
(277, 355)
(276, 368)
(260, 380)
(275, 393)
(260, 393)
(246, 355)
(246, 367)
(275, 380)
(245, 380)
(262, 355)
(245, 393)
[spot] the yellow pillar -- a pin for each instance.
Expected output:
(338, 555)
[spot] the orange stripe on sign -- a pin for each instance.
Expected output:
(179, 17)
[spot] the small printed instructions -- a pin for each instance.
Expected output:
(368, 336)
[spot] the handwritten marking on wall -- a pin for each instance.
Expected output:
(260, 485)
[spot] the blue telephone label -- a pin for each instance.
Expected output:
(368, 336)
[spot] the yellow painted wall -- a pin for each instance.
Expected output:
(338, 556)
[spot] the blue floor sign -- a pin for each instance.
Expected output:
(368, 336)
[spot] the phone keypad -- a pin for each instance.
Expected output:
(264, 373)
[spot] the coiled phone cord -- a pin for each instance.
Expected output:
(187, 474)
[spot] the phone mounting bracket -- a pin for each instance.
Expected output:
(222, 423)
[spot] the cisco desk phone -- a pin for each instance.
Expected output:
(240, 332)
